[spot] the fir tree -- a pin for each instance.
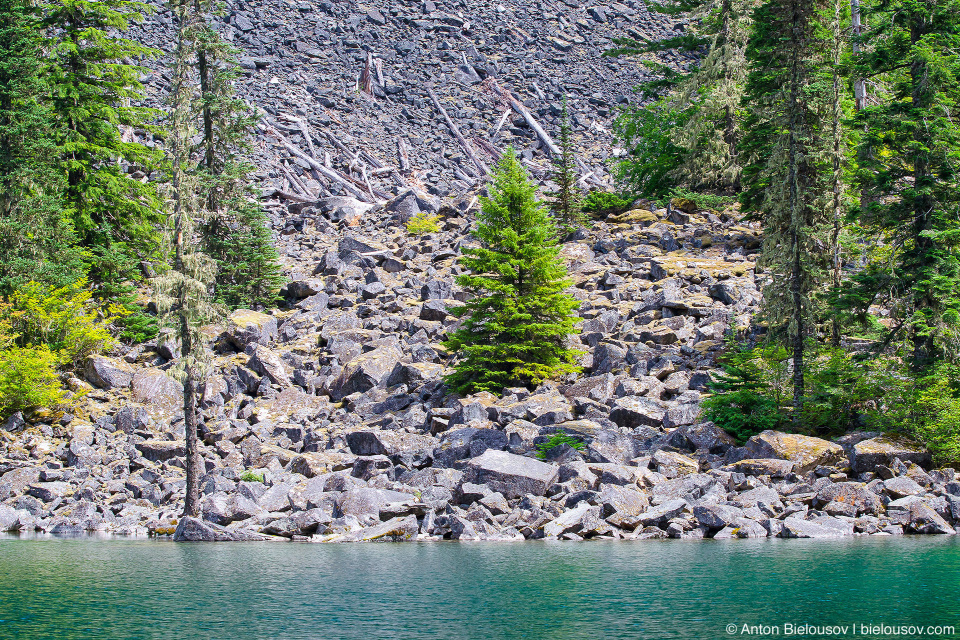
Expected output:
(518, 321)
(183, 291)
(788, 99)
(36, 241)
(95, 93)
(235, 234)
(566, 199)
(690, 136)
(908, 159)
(248, 273)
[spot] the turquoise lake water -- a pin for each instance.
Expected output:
(119, 589)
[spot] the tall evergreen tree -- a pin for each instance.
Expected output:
(235, 234)
(36, 241)
(94, 93)
(516, 326)
(690, 137)
(908, 159)
(183, 290)
(788, 99)
(565, 203)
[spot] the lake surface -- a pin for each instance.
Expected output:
(130, 588)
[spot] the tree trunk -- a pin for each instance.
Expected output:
(859, 84)
(923, 205)
(191, 501)
(837, 175)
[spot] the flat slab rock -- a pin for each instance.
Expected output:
(194, 530)
(512, 475)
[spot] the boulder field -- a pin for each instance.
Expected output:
(328, 420)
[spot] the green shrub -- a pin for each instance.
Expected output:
(744, 401)
(64, 319)
(702, 200)
(252, 476)
(421, 224)
(604, 203)
(925, 408)
(28, 375)
(555, 441)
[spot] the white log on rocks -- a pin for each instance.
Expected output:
(484, 170)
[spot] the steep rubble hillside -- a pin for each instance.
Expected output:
(304, 61)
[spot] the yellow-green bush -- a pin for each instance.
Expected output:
(28, 376)
(28, 379)
(422, 223)
(66, 320)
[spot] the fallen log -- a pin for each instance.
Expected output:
(484, 170)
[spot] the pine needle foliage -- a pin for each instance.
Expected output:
(236, 234)
(516, 326)
(37, 242)
(688, 132)
(95, 91)
(566, 199)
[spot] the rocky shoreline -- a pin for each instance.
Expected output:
(328, 421)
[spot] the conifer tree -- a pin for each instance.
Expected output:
(36, 241)
(690, 136)
(566, 199)
(235, 234)
(788, 99)
(908, 159)
(516, 326)
(183, 292)
(94, 92)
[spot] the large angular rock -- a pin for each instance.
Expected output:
(717, 516)
(468, 442)
(923, 519)
(704, 435)
(854, 494)
(901, 487)
(365, 372)
(867, 454)
(388, 443)
(763, 467)
(364, 501)
(807, 453)
(161, 394)
(397, 529)
(195, 530)
(794, 527)
(312, 465)
(634, 412)
(245, 327)
(108, 373)
(571, 521)
(265, 362)
(512, 475)
(162, 450)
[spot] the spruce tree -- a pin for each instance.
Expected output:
(36, 240)
(788, 99)
(908, 159)
(516, 326)
(566, 199)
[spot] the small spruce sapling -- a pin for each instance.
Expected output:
(565, 204)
